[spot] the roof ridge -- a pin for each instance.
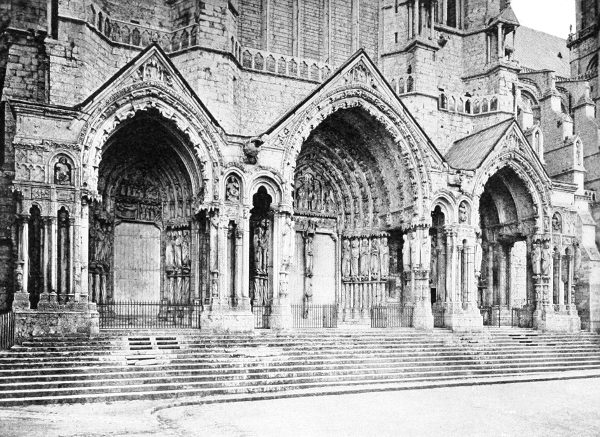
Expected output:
(484, 129)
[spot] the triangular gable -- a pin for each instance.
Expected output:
(513, 140)
(151, 66)
(360, 69)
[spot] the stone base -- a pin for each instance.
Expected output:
(422, 316)
(58, 322)
(281, 316)
(227, 320)
(463, 319)
(545, 320)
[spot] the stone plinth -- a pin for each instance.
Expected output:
(463, 318)
(422, 316)
(549, 320)
(227, 320)
(281, 315)
(58, 322)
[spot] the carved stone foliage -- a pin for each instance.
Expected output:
(232, 189)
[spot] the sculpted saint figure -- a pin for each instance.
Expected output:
(185, 248)
(463, 213)
(364, 258)
(406, 264)
(384, 255)
(478, 257)
(375, 262)
(536, 258)
(346, 258)
(257, 241)
(308, 254)
(355, 255)
(546, 259)
(289, 234)
(264, 244)
(232, 190)
(169, 255)
(62, 172)
(577, 261)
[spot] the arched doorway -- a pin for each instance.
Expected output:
(508, 223)
(146, 243)
(353, 199)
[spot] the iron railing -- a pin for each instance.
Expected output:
(149, 315)
(262, 316)
(7, 330)
(391, 316)
(522, 318)
(314, 316)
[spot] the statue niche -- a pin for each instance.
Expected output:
(261, 219)
(177, 265)
(63, 171)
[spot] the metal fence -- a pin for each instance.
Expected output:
(7, 330)
(391, 316)
(149, 315)
(314, 316)
(522, 318)
(262, 316)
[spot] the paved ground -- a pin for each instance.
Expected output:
(557, 408)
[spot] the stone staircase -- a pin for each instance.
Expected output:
(158, 365)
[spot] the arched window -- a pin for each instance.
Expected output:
(100, 21)
(443, 101)
(494, 104)
(451, 13)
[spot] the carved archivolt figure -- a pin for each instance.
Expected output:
(62, 172)
(355, 255)
(346, 258)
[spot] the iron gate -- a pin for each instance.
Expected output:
(262, 316)
(149, 315)
(314, 316)
(391, 316)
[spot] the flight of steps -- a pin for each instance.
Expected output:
(151, 365)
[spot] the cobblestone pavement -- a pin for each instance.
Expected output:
(557, 408)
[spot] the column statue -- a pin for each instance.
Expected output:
(355, 255)
(384, 257)
(375, 262)
(546, 259)
(308, 254)
(406, 253)
(346, 256)
(364, 259)
(536, 258)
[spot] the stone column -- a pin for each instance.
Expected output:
(502, 280)
(281, 311)
(450, 266)
(71, 293)
(420, 249)
(24, 255)
(509, 290)
(500, 42)
(417, 15)
(432, 19)
(84, 252)
(47, 254)
(53, 257)
(490, 275)
(239, 267)
(410, 14)
(558, 267)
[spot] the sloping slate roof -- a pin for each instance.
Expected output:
(539, 51)
(508, 16)
(468, 153)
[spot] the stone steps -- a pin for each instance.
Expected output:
(120, 366)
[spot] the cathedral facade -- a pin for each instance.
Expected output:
(239, 156)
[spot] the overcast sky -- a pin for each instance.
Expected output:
(550, 16)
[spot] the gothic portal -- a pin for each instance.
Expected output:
(250, 165)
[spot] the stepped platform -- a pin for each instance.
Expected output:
(126, 365)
